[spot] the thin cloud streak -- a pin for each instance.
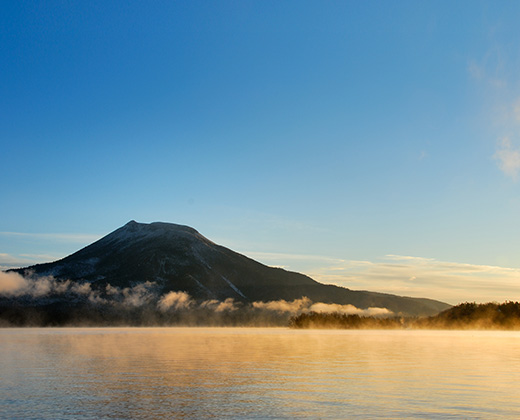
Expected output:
(405, 275)
(8, 261)
(64, 237)
(426, 277)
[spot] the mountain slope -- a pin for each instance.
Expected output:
(178, 258)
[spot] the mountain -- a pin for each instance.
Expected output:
(178, 258)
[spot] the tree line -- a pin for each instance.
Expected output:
(468, 315)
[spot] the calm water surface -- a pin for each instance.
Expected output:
(258, 373)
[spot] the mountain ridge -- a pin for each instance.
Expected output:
(178, 258)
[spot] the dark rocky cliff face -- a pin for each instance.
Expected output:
(178, 258)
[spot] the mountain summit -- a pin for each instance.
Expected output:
(178, 258)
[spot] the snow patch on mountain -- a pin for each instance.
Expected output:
(209, 292)
(236, 289)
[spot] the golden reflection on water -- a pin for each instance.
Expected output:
(262, 373)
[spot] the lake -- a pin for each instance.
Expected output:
(277, 373)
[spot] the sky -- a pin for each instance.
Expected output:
(374, 145)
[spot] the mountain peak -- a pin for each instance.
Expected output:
(133, 231)
(132, 225)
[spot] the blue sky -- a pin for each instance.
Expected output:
(374, 145)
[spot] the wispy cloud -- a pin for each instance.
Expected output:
(286, 260)
(13, 285)
(508, 158)
(497, 76)
(306, 305)
(489, 70)
(11, 261)
(452, 282)
(406, 275)
(21, 260)
(63, 237)
(175, 300)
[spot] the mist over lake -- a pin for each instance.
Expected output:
(258, 373)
